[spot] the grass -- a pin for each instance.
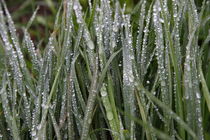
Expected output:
(120, 70)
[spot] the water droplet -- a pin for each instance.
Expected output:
(110, 116)
(38, 127)
(159, 9)
(75, 7)
(131, 78)
(187, 97)
(33, 133)
(90, 44)
(188, 67)
(115, 29)
(161, 20)
(200, 119)
(103, 93)
(163, 83)
(198, 96)
(89, 121)
(132, 57)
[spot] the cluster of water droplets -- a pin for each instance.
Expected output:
(140, 33)
(105, 99)
(128, 55)
(163, 58)
(145, 56)
(160, 47)
(31, 49)
(128, 74)
(107, 25)
(14, 37)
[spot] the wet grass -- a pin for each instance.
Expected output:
(107, 70)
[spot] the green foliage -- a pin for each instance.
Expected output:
(110, 69)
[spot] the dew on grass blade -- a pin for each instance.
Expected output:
(12, 29)
(140, 31)
(31, 49)
(128, 77)
(109, 115)
(144, 49)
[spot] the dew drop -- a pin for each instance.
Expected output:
(132, 57)
(188, 67)
(159, 9)
(186, 97)
(115, 29)
(198, 95)
(89, 121)
(33, 133)
(75, 7)
(163, 83)
(38, 127)
(161, 20)
(131, 78)
(103, 93)
(109, 115)
(200, 119)
(90, 44)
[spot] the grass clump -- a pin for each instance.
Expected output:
(108, 72)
